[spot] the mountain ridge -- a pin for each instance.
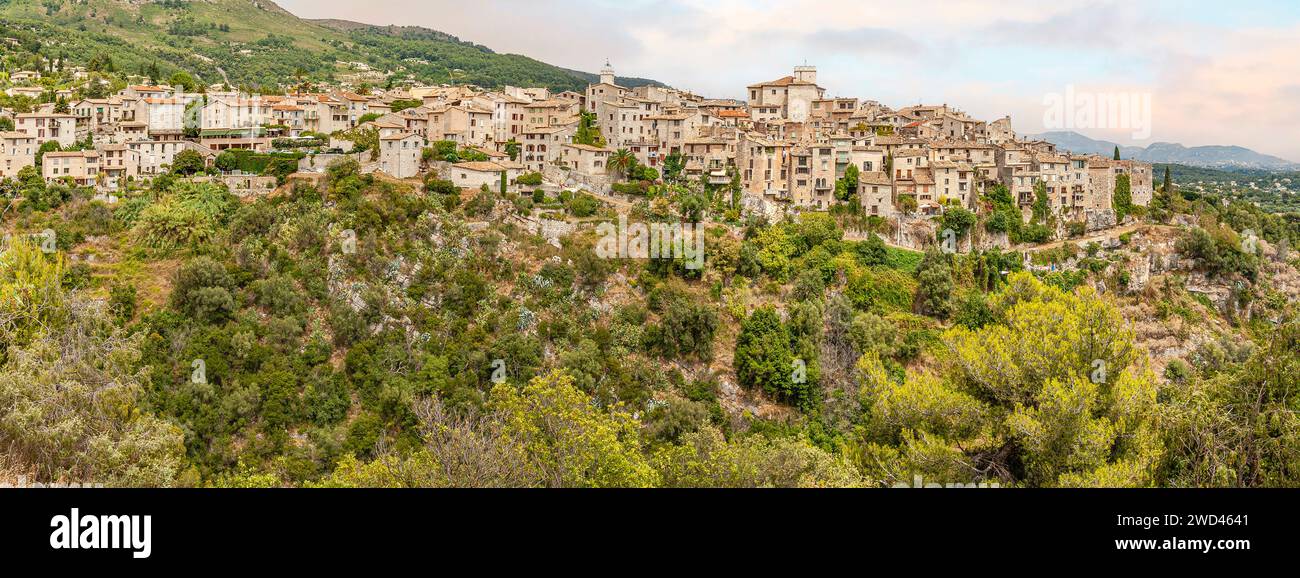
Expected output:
(344, 25)
(1208, 156)
(260, 44)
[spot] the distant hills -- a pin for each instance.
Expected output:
(1217, 156)
(256, 43)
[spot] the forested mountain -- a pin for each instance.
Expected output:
(257, 44)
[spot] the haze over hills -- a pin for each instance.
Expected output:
(1213, 156)
(256, 43)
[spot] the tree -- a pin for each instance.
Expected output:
(934, 285)
(1233, 423)
(1051, 394)
(187, 162)
(227, 161)
(1168, 186)
(1117, 152)
(571, 442)
(622, 162)
(706, 459)
(1042, 209)
(588, 132)
(70, 384)
(674, 163)
(907, 204)
(958, 220)
(764, 359)
(49, 146)
(686, 327)
(583, 205)
(1122, 198)
(184, 81)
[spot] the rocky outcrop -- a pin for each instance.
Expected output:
(1099, 219)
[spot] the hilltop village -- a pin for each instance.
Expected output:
(788, 147)
(294, 253)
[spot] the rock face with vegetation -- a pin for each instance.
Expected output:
(374, 332)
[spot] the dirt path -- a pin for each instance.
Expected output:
(1098, 237)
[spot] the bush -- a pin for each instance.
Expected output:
(583, 205)
(122, 300)
(765, 359)
(441, 187)
(203, 291)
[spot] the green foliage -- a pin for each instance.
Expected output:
(686, 326)
(1219, 252)
(187, 217)
(1122, 199)
(706, 459)
(673, 165)
(570, 442)
(934, 291)
(583, 205)
(958, 220)
(188, 162)
(1020, 401)
(764, 359)
(530, 179)
(1042, 208)
(1230, 421)
(588, 132)
(74, 412)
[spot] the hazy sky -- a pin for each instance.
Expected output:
(1216, 72)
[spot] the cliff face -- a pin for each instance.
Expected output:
(1174, 307)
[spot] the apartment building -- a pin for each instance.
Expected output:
(48, 126)
(17, 151)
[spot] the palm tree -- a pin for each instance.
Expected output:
(622, 162)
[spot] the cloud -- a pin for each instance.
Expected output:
(1216, 76)
(865, 41)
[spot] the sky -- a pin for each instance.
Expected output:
(1213, 72)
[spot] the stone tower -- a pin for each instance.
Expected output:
(607, 74)
(806, 74)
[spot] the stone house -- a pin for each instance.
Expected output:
(585, 160)
(399, 154)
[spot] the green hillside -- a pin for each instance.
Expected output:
(257, 43)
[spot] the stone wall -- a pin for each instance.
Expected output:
(570, 179)
(318, 163)
(242, 185)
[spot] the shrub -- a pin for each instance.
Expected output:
(530, 179)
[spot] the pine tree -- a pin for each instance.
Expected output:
(1116, 152)
(1167, 187)
(934, 285)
